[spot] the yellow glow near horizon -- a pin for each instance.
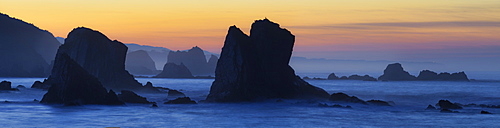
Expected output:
(183, 24)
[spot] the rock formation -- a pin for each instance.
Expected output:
(342, 97)
(194, 59)
(99, 56)
(445, 104)
(395, 72)
(131, 97)
(73, 85)
(332, 76)
(172, 70)
(40, 85)
(7, 85)
(427, 75)
(158, 54)
(181, 100)
(212, 63)
(256, 67)
(173, 94)
(140, 63)
(25, 50)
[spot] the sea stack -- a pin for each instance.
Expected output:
(255, 67)
(194, 59)
(99, 56)
(140, 63)
(75, 86)
(172, 70)
(395, 72)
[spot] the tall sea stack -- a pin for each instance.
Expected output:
(194, 59)
(395, 72)
(99, 56)
(255, 67)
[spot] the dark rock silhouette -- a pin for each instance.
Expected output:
(131, 97)
(342, 97)
(140, 63)
(20, 86)
(430, 107)
(395, 72)
(173, 94)
(7, 85)
(427, 75)
(158, 54)
(172, 70)
(73, 85)
(332, 76)
(40, 85)
(445, 104)
(194, 59)
(26, 50)
(378, 102)
(212, 63)
(181, 100)
(256, 67)
(485, 112)
(99, 56)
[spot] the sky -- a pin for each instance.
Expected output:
(407, 30)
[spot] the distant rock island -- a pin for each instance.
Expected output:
(256, 67)
(332, 76)
(99, 56)
(25, 50)
(140, 63)
(194, 59)
(395, 72)
(76, 86)
(172, 70)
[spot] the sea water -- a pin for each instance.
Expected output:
(410, 98)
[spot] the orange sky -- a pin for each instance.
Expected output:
(319, 25)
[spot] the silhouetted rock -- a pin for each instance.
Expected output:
(378, 102)
(173, 94)
(332, 76)
(485, 112)
(20, 86)
(363, 78)
(172, 70)
(131, 97)
(158, 54)
(7, 85)
(342, 97)
(212, 63)
(99, 56)
(40, 85)
(430, 107)
(140, 63)
(427, 75)
(194, 59)
(73, 85)
(148, 85)
(344, 78)
(395, 72)
(256, 67)
(181, 100)
(25, 50)
(445, 104)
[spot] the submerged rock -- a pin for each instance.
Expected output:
(430, 107)
(485, 112)
(378, 102)
(75, 86)
(181, 100)
(445, 104)
(131, 97)
(395, 72)
(342, 97)
(172, 70)
(256, 67)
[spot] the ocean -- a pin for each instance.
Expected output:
(410, 98)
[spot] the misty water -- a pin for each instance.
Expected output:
(410, 98)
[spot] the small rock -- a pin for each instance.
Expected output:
(378, 102)
(182, 100)
(430, 107)
(445, 104)
(485, 112)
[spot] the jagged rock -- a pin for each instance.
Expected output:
(40, 85)
(485, 112)
(99, 56)
(427, 75)
(7, 85)
(131, 97)
(332, 76)
(148, 85)
(378, 102)
(363, 78)
(25, 50)
(172, 70)
(75, 86)
(430, 107)
(140, 63)
(342, 97)
(445, 104)
(173, 94)
(181, 100)
(395, 72)
(256, 67)
(194, 59)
